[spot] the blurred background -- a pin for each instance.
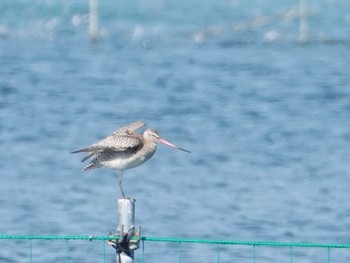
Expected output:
(258, 91)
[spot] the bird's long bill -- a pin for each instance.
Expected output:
(172, 145)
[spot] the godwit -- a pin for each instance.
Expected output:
(124, 149)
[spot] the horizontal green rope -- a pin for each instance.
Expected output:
(35, 237)
(247, 243)
(181, 240)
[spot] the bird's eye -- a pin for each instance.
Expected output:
(156, 135)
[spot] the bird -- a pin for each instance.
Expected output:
(124, 149)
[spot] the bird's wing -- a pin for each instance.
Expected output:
(131, 127)
(124, 138)
(115, 143)
(119, 142)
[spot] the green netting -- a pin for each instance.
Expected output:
(184, 249)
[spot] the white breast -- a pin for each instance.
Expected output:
(131, 161)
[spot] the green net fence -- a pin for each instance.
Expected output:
(17, 248)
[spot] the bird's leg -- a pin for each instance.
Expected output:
(121, 182)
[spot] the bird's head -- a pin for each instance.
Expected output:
(151, 135)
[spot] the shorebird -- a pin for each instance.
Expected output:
(124, 149)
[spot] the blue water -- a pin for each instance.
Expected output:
(267, 124)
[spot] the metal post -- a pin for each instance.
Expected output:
(126, 214)
(303, 23)
(126, 221)
(93, 20)
(129, 237)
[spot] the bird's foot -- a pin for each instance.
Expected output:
(126, 198)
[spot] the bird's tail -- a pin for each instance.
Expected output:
(85, 150)
(82, 150)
